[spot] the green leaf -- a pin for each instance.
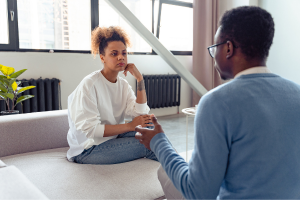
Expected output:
(11, 81)
(1, 76)
(25, 88)
(7, 95)
(19, 82)
(11, 96)
(3, 95)
(3, 88)
(23, 98)
(18, 73)
(10, 90)
(4, 80)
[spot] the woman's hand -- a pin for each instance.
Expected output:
(145, 135)
(142, 120)
(134, 71)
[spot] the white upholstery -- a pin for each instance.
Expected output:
(58, 178)
(2, 164)
(36, 143)
(33, 132)
(14, 185)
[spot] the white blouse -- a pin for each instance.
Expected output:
(94, 103)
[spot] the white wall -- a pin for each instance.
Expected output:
(284, 54)
(71, 68)
(225, 5)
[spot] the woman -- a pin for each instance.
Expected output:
(97, 107)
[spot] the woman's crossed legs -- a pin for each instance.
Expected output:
(122, 149)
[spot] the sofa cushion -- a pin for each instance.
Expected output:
(14, 185)
(58, 178)
(33, 132)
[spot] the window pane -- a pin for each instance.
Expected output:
(156, 9)
(55, 24)
(176, 31)
(142, 9)
(3, 22)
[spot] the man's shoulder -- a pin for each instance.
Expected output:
(290, 82)
(248, 85)
(264, 80)
(222, 90)
(226, 93)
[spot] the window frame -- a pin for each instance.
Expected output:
(175, 3)
(13, 38)
(14, 31)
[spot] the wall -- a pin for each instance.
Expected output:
(284, 54)
(71, 68)
(225, 5)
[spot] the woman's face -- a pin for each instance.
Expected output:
(115, 57)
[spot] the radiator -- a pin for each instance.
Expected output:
(46, 96)
(162, 90)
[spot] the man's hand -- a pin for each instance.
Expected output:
(142, 120)
(145, 135)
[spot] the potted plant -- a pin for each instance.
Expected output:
(9, 89)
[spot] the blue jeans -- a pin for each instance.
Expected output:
(124, 148)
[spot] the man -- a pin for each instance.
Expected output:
(247, 131)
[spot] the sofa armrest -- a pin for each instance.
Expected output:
(14, 185)
(33, 132)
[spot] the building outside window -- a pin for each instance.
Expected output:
(54, 24)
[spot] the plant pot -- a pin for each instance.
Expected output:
(7, 112)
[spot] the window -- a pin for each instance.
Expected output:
(3, 22)
(176, 30)
(65, 25)
(142, 9)
(175, 25)
(54, 24)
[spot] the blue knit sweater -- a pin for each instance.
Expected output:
(247, 142)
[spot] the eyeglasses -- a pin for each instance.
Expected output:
(212, 49)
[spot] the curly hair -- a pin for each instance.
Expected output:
(101, 36)
(251, 28)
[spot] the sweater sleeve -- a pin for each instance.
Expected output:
(133, 108)
(85, 115)
(201, 178)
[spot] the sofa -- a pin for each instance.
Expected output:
(33, 164)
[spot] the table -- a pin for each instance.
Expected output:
(188, 112)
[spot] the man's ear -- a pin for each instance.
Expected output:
(230, 49)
